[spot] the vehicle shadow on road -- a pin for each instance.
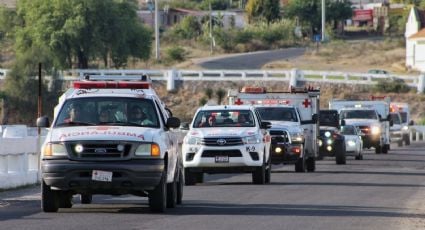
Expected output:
(293, 210)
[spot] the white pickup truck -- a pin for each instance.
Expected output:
(227, 139)
(111, 135)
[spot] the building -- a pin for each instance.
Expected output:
(415, 40)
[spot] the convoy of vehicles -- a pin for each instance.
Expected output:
(111, 135)
(227, 139)
(293, 116)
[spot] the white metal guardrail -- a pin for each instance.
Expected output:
(19, 157)
(292, 76)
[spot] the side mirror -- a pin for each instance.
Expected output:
(169, 112)
(342, 122)
(391, 122)
(315, 118)
(265, 125)
(184, 126)
(173, 122)
(43, 122)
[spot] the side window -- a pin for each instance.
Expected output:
(162, 114)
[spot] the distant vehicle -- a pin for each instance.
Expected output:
(353, 141)
(396, 131)
(378, 71)
(331, 142)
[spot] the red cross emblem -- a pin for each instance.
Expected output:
(238, 102)
(306, 103)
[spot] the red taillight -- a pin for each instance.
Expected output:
(111, 85)
(296, 150)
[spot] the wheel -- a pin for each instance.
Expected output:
(340, 154)
(65, 199)
(406, 140)
(49, 199)
(400, 143)
(189, 177)
(158, 196)
(359, 157)
(385, 149)
(172, 193)
(268, 171)
(259, 175)
(311, 164)
(300, 165)
(86, 198)
(180, 185)
(378, 149)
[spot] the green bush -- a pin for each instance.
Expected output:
(391, 86)
(203, 101)
(188, 28)
(176, 53)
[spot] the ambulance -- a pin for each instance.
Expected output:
(372, 117)
(94, 146)
(294, 120)
(404, 111)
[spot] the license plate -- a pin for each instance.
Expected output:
(98, 175)
(221, 159)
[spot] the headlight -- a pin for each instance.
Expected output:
(251, 140)
(297, 137)
(193, 140)
(405, 127)
(320, 142)
(329, 141)
(351, 143)
(148, 150)
(327, 134)
(375, 130)
(51, 149)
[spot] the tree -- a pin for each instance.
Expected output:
(267, 10)
(84, 30)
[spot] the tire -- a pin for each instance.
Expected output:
(189, 178)
(180, 185)
(259, 175)
(359, 157)
(65, 199)
(172, 193)
(400, 143)
(300, 165)
(86, 198)
(311, 164)
(158, 196)
(378, 149)
(268, 171)
(406, 140)
(385, 149)
(49, 199)
(340, 154)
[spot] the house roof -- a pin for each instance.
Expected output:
(418, 35)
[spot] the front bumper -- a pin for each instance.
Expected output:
(288, 154)
(329, 147)
(396, 136)
(239, 156)
(127, 176)
(371, 140)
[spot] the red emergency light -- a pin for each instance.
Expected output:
(253, 89)
(110, 85)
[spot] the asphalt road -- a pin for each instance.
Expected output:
(383, 191)
(254, 60)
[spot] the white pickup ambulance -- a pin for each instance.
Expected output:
(294, 113)
(371, 117)
(111, 135)
(227, 139)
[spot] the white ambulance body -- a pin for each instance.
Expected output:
(95, 147)
(371, 117)
(302, 125)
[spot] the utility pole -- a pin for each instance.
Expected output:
(323, 20)
(211, 36)
(156, 30)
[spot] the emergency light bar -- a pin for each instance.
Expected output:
(253, 89)
(96, 77)
(111, 85)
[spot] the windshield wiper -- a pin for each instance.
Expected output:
(75, 123)
(121, 123)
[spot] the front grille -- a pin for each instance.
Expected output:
(365, 129)
(279, 136)
(229, 153)
(222, 141)
(100, 150)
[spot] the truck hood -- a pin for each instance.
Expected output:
(292, 127)
(361, 122)
(224, 132)
(117, 133)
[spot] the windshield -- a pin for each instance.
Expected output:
(395, 118)
(348, 130)
(358, 114)
(108, 111)
(278, 114)
(224, 118)
(403, 117)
